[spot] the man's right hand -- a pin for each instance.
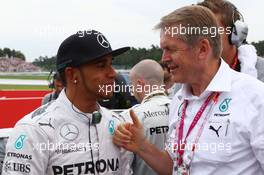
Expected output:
(130, 135)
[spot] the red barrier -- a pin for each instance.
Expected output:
(16, 104)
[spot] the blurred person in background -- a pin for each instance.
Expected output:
(121, 98)
(55, 84)
(153, 109)
(3, 141)
(240, 55)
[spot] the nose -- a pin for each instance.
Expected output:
(112, 73)
(165, 57)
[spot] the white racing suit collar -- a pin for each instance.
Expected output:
(152, 94)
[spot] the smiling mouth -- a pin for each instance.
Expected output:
(173, 68)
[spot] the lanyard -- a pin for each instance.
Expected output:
(180, 143)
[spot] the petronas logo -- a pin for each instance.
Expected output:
(225, 105)
(20, 142)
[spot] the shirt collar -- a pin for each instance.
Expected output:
(63, 99)
(152, 94)
(221, 82)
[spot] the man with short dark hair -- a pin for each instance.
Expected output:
(72, 135)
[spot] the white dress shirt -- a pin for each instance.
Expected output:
(232, 141)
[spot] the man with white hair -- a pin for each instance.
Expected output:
(153, 111)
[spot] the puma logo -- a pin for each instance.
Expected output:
(215, 130)
(46, 124)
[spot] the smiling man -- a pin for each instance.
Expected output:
(73, 134)
(215, 120)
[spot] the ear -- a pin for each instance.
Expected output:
(204, 48)
(71, 74)
(141, 82)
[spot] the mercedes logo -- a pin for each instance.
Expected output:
(69, 131)
(102, 41)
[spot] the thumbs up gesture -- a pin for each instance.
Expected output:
(130, 135)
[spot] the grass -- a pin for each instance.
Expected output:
(25, 77)
(23, 87)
